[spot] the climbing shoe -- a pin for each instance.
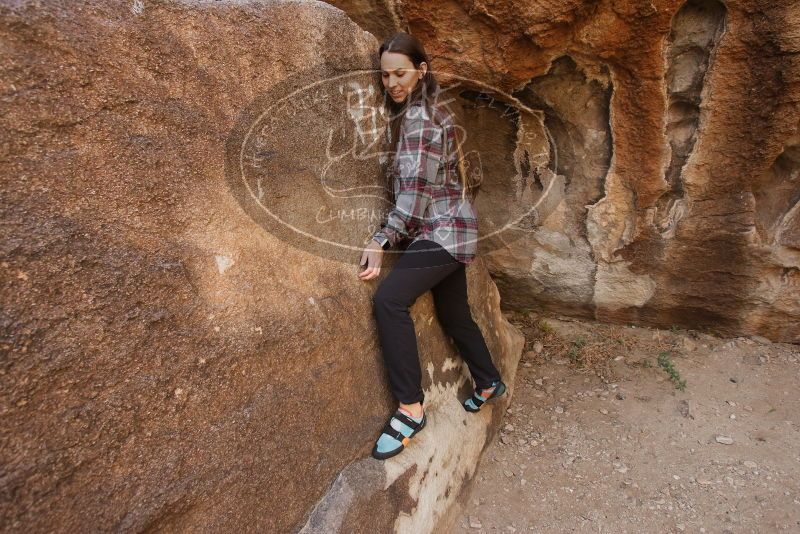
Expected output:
(474, 403)
(397, 433)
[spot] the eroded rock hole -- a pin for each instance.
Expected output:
(576, 118)
(777, 198)
(696, 30)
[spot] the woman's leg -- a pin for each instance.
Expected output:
(452, 308)
(420, 268)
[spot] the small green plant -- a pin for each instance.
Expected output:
(665, 363)
(674, 329)
(575, 349)
(544, 326)
(646, 364)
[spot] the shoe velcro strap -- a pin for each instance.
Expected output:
(477, 400)
(392, 432)
(407, 420)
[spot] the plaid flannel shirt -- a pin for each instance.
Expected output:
(429, 205)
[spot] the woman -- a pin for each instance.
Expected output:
(431, 210)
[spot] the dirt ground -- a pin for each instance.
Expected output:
(599, 437)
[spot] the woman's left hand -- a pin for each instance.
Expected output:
(371, 258)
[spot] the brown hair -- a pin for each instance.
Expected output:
(427, 91)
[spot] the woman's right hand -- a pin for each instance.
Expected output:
(371, 258)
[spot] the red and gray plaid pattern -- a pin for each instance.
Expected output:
(428, 205)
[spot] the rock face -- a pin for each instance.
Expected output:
(168, 363)
(654, 144)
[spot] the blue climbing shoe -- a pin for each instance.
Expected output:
(474, 403)
(396, 435)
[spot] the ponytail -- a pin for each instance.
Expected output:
(468, 183)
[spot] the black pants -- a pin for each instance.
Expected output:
(427, 265)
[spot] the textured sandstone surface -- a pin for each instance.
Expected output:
(171, 354)
(657, 141)
(169, 364)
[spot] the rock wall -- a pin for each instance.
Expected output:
(170, 364)
(653, 143)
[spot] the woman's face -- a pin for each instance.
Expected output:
(399, 75)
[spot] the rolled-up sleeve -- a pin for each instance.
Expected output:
(417, 156)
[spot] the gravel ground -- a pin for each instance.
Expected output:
(620, 448)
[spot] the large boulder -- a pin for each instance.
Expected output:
(177, 354)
